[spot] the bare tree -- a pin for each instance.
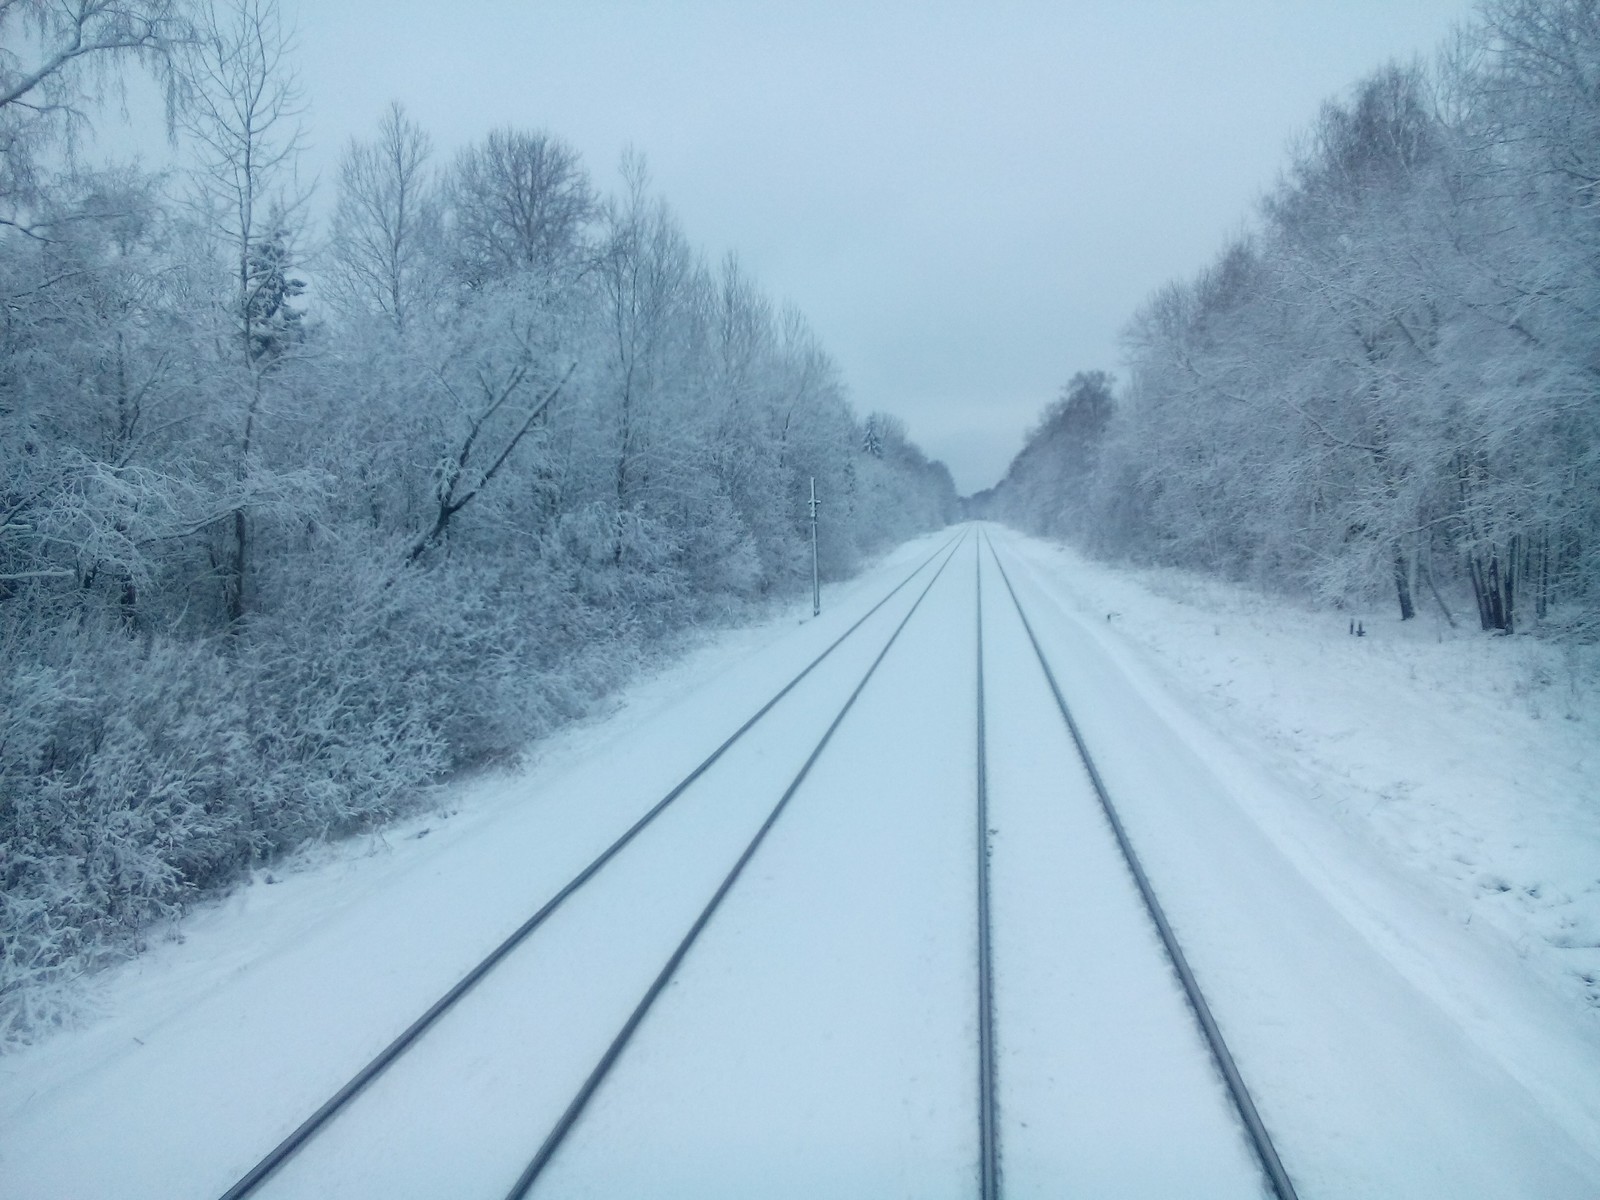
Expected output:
(242, 107)
(644, 268)
(386, 220)
(519, 201)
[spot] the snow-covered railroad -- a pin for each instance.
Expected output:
(821, 1034)
(1100, 1052)
(789, 1082)
(477, 1096)
(823, 1039)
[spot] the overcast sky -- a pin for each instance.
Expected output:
(967, 200)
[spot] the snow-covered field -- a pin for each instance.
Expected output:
(1382, 855)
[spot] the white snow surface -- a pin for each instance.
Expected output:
(1382, 856)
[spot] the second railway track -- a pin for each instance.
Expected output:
(1048, 779)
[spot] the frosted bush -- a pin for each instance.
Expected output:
(123, 791)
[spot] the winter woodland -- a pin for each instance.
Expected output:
(1391, 384)
(295, 522)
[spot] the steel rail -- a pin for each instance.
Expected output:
(988, 1115)
(564, 1124)
(1260, 1140)
(307, 1129)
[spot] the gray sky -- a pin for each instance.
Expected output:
(967, 200)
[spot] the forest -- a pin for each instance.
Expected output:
(1389, 386)
(299, 519)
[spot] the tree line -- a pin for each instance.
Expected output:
(1391, 384)
(291, 530)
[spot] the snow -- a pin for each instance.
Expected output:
(1105, 1089)
(1406, 1030)
(797, 1054)
(1467, 761)
(1467, 766)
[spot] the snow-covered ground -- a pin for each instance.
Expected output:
(1423, 1058)
(1469, 764)
(1381, 883)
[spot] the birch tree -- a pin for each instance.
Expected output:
(57, 59)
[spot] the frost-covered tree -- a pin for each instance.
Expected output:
(57, 59)
(1051, 481)
(503, 365)
(275, 556)
(1388, 384)
(517, 201)
(386, 223)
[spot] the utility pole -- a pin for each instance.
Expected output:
(816, 583)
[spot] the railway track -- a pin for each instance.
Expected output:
(1261, 1143)
(596, 1077)
(992, 1129)
(275, 1159)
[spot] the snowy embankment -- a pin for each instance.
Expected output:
(1470, 762)
(1456, 772)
